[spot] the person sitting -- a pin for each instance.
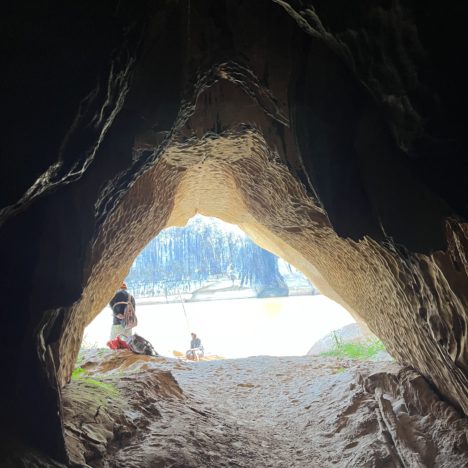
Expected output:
(196, 349)
(119, 303)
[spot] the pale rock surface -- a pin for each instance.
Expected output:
(260, 411)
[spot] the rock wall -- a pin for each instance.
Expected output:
(332, 132)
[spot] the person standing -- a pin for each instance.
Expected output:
(123, 310)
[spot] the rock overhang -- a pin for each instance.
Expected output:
(318, 135)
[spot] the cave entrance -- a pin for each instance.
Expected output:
(265, 402)
(238, 178)
(231, 127)
(210, 277)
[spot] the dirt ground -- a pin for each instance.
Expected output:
(136, 411)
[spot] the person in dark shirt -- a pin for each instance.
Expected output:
(196, 349)
(118, 305)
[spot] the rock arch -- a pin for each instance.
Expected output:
(317, 130)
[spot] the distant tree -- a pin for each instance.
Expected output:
(181, 259)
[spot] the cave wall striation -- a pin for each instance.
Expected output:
(327, 130)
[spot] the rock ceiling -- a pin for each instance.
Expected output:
(331, 132)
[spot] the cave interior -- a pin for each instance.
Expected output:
(332, 132)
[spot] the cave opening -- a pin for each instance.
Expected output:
(211, 277)
(217, 175)
(214, 183)
(251, 406)
(331, 132)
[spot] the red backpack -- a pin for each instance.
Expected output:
(118, 343)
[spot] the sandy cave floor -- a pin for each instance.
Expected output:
(137, 411)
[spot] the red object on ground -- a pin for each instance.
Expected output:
(117, 343)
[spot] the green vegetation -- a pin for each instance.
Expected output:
(80, 374)
(362, 350)
(77, 373)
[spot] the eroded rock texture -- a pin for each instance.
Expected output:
(134, 411)
(332, 132)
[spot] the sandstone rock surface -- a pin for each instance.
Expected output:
(332, 132)
(259, 411)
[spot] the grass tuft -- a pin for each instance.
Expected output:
(363, 351)
(80, 374)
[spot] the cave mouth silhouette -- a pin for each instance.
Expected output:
(210, 277)
(216, 185)
(318, 130)
(218, 176)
